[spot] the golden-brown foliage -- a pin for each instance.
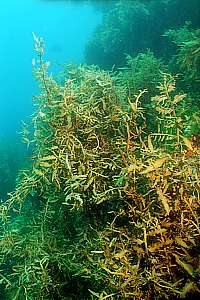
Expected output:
(138, 189)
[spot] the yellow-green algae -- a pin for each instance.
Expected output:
(109, 207)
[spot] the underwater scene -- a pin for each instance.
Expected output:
(100, 150)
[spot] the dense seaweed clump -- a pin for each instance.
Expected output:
(188, 42)
(109, 206)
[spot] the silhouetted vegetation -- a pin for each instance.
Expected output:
(135, 26)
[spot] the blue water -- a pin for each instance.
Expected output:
(65, 27)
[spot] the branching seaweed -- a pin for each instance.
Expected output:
(107, 209)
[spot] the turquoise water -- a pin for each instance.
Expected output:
(65, 27)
